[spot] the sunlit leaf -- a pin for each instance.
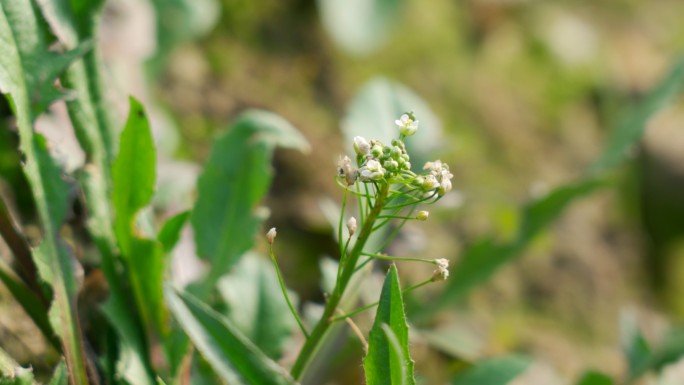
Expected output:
(235, 179)
(383, 364)
(134, 180)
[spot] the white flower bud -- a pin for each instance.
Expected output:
(422, 215)
(361, 146)
(351, 226)
(430, 183)
(442, 271)
(270, 236)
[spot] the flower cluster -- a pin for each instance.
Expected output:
(378, 162)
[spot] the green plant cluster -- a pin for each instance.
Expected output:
(232, 325)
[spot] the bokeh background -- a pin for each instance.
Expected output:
(519, 96)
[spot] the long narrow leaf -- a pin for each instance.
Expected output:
(27, 71)
(230, 353)
(134, 180)
(383, 364)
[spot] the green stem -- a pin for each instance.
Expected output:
(323, 325)
(287, 297)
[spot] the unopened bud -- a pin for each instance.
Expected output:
(351, 226)
(361, 146)
(422, 215)
(270, 236)
(442, 271)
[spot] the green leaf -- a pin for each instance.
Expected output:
(133, 173)
(27, 73)
(256, 305)
(361, 26)
(484, 257)
(75, 23)
(595, 378)
(134, 178)
(235, 179)
(372, 112)
(631, 128)
(670, 350)
(383, 364)
(234, 358)
(170, 232)
(397, 359)
(60, 376)
(634, 345)
(496, 371)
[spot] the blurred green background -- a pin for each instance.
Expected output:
(525, 92)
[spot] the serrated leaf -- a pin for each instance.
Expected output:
(372, 112)
(595, 378)
(27, 66)
(256, 304)
(75, 23)
(496, 371)
(380, 364)
(234, 358)
(359, 26)
(235, 179)
(27, 71)
(631, 128)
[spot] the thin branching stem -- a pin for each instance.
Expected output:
(287, 297)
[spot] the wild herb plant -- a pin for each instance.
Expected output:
(148, 331)
(385, 189)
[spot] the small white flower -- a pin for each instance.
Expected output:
(361, 145)
(270, 236)
(372, 170)
(351, 226)
(407, 126)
